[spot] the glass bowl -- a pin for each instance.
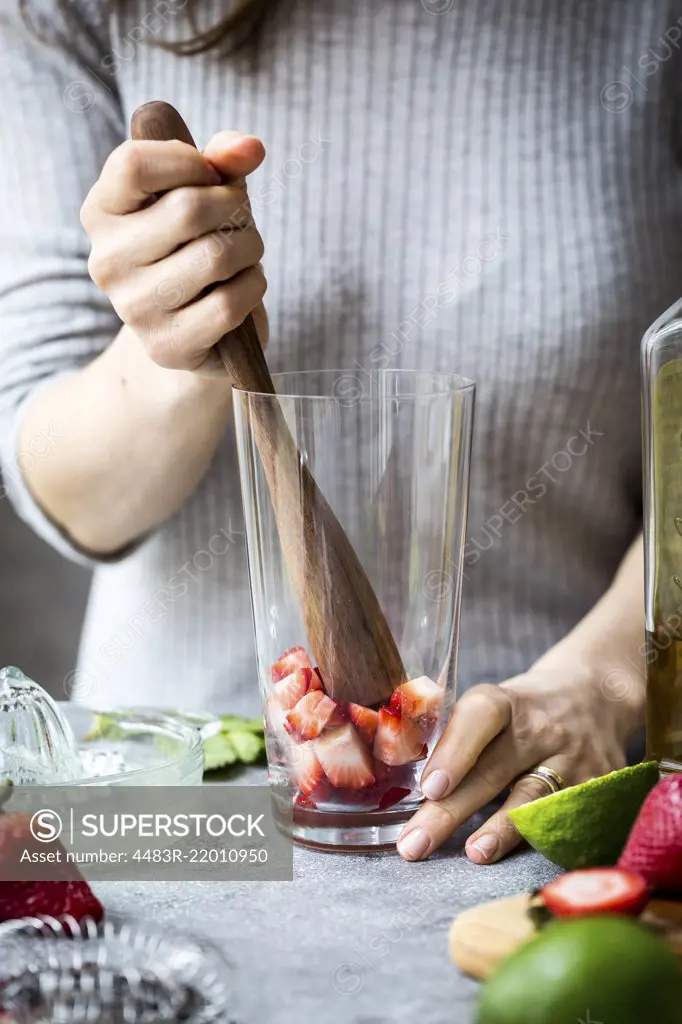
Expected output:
(138, 747)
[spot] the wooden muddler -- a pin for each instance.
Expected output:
(347, 631)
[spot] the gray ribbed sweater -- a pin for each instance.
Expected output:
(493, 190)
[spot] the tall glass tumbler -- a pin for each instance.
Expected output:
(390, 453)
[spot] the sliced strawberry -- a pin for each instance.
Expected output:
(365, 721)
(399, 740)
(305, 802)
(289, 690)
(418, 698)
(346, 760)
(340, 716)
(311, 714)
(292, 659)
(401, 775)
(393, 796)
(316, 681)
(390, 786)
(596, 891)
(321, 680)
(323, 794)
(305, 768)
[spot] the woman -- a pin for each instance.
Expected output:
(483, 187)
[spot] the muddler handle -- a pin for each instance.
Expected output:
(240, 349)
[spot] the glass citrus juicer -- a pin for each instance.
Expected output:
(45, 743)
(662, 407)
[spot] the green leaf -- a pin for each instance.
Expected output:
(240, 740)
(218, 752)
(248, 747)
(254, 725)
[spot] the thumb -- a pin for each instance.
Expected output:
(233, 154)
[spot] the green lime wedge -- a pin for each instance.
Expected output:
(587, 825)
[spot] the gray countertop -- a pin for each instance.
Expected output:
(352, 940)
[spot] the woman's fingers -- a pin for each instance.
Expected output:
(203, 262)
(152, 234)
(481, 715)
(499, 836)
(205, 320)
(136, 171)
(174, 246)
(235, 155)
(183, 215)
(496, 768)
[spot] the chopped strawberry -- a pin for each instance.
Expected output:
(321, 680)
(393, 796)
(382, 794)
(306, 802)
(346, 760)
(341, 715)
(323, 794)
(316, 681)
(289, 690)
(596, 891)
(292, 659)
(365, 721)
(400, 775)
(418, 698)
(654, 849)
(305, 768)
(399, 740)
(309, 717)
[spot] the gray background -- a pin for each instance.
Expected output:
(42, 601)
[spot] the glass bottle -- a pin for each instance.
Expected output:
(662, 408)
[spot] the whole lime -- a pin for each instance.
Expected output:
(594, 970)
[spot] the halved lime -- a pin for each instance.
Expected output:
(587, 825)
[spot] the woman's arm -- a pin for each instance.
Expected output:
(574, 711)
(609, 641)
(139, 426)
(105, 430)
(130, 442)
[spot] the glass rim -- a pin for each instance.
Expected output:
(463, 384)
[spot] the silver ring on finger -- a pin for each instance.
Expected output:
(551, 779)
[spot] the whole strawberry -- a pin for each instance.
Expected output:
(68, 893)
(654, 847)
(49, 899)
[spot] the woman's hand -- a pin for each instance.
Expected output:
(184, 270)
(574, 720)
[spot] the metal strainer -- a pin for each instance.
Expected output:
(117, 972)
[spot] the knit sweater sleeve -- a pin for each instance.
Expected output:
(61, 119)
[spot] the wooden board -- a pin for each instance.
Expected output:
(483, 936)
